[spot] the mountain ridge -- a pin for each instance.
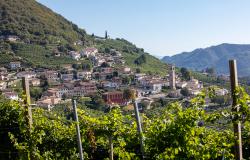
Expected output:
(214, 56)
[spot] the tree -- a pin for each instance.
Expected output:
(211, 71)
(107, 50)
(76, 66)
(221, 100)
(129, 94)
(141, 59)
(86, 66)
(105, 65)
(185, 92)
(115, 74)
(36, 92)
(138, 70)
(126, 80)
(64, 96)
(97, 103)
(185, 73)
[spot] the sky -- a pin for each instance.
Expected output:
(161, 27)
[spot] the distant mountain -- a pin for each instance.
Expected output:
(43, 33)
(214, 56)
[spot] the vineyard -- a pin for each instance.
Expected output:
(180, 131)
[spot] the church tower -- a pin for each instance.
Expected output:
(172, 78)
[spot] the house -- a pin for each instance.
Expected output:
(10, 95)
(12, 38)
(194, 84)
(154, 86)
(3, 70)
(51, 76)
(221, 91)
(181, 84)
(28, 74)
(69, 89)
(67, 76)
(35, 82)
(102, 75)
(175, 93)
(142, 92)
(15, 65)
(78, 42)
(4, 77)
(109, 84)
(3, 85)
(75, 55)
(89, 88)
(107, 70)
(84, 75)
(139, 76)
(194, 92)
(99, 61)
(125, 70)
(89, 52)
(68, 67)
(115, 97)
(48, 102)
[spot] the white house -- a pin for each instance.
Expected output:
(84, 75)
(75, 55)
(3, 85)
(87, 52)
(4, 77)
(110, 84)
(28, 74)
(181, 84)
(10, 95)
(221, 92)
(35, 82)
(139, 76)
(155, 87)
(12, 38)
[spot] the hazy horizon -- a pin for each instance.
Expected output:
(162, 27)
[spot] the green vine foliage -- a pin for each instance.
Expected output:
(178, 132)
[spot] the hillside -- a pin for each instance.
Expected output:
(42, 33)
(214, 56)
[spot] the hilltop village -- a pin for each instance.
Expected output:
(107, 79)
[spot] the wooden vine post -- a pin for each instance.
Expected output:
(139, 127)
(111, 148)
(27, 101)
(235, 109)
(28, 113)
(79, 141)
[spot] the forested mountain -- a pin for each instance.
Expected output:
(216, 57)
(42, 33)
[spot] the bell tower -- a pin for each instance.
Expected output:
(172, 78)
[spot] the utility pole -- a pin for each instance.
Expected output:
(77, 129)
(235, 109)
(139, 128)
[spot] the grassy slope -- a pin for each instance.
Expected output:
(130, 52)
(44, 31)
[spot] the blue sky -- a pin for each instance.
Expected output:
(161, 27)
